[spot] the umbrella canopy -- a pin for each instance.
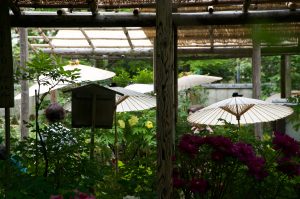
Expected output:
(190, 81)
(239, 110)
(132, 100)
(142, 88)
(86, 73)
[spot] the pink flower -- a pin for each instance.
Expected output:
(198, 186)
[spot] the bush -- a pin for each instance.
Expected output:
(216, 166)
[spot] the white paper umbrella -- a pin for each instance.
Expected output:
(142, 88)
(190, 81)
(132, 100)
(86, 73)
(239, 110)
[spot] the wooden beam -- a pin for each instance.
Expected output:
(87, 38)
(15, 9)
(246, 5)
(47, 19)
(46, 39)
(93, 5)
(128, 37)
(145, 5)
(164, 97)
(148, 52)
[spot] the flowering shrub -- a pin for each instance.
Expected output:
(218, 167)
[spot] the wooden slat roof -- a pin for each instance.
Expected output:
(200, 37)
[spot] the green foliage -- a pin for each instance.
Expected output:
(144, 77)
(122, 79)
(217, 67)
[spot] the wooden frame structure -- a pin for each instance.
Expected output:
(196, 23)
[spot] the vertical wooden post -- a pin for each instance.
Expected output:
(93, 127)
(6, 69)
(285, 77)
(165, 96)
(24, 116)
(175, 73)
(256, 81)
(285, 87)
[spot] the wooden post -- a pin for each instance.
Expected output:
(256, 81)
(165, 97)
(24, 115)
(285, 87)
(93, 127)
(6, 61)
(175, 29)
(6, 69)
(285, 77)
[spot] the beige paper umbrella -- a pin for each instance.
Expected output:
(142, 88)
(190, 81)
(132, 100)
(86, 73)
(239, 110)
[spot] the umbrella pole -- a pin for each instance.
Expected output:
(116, 144)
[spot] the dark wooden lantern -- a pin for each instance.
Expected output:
(93, 106)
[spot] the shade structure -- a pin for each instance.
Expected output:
(190, 81)
(86, 73)
(132, 100)
(142, 88)
(239, 110)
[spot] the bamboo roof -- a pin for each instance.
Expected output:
(199, 37)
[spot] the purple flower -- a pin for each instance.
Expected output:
(286, 144)
(198, 186)
(289, 167)
(190, 144)
(220, 143)
(243, 151)
(256, 166)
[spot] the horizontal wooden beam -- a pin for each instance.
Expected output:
(148, 52)
(146, 5)
(47, 19)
